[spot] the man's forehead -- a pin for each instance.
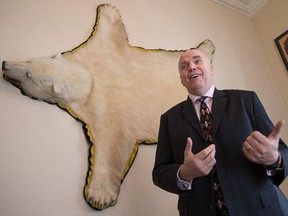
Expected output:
(191, 54)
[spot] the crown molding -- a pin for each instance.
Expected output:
(247, 7)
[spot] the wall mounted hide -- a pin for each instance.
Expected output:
(117, 90)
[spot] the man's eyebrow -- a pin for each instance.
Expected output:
(196, 56)
(185, 61)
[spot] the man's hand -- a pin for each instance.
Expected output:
(199, 164)
(263, 150)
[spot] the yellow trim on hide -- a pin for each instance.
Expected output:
(95, 29)
(152, 50)
(91, 159)
(69, 110)
(134, 152)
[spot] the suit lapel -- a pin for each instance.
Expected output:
(189, 112)
(219, 103)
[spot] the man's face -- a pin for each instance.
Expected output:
(196, 72)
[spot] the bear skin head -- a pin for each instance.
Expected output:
(48, 79)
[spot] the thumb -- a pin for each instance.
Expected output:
(275, 134)
(188, 148)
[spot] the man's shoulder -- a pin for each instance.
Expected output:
(237, 92)
(177, 107)
(237, 96)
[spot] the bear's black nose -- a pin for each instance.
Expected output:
(3, 66)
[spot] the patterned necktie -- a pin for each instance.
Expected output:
(206, 119)
(206, 123)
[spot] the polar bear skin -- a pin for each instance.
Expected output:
(117, 90)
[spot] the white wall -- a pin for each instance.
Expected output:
(43, 151)
(270, 22)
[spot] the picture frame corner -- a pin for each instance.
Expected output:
(282, 45)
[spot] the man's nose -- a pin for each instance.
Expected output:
(192, 66)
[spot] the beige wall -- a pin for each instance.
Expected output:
(43, 152)
(270, 22)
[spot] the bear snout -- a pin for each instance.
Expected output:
(4, 66)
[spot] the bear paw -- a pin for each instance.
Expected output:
(101, 196)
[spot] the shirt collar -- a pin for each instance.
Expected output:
(209, 94)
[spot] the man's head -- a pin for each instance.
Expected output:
(196, 71)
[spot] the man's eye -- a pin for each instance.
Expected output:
(197, 61)
(184, 66)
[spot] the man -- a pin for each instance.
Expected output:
(242, 158)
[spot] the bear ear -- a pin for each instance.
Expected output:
(57, 88)
(60, 92)
(208, 48)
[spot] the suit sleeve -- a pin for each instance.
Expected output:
(165, 169)
(265, 126)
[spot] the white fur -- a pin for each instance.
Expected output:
(117, 90)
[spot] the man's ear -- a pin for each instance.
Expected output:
(212, 70)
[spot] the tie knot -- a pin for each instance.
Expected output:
(202, 99)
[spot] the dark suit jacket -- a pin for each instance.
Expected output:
(246, 187)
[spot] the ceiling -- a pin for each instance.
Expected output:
(247, 7)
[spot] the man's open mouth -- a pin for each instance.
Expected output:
(193, 76)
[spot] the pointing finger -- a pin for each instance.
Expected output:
(188, 148)
(275, 134)
(206, 152)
